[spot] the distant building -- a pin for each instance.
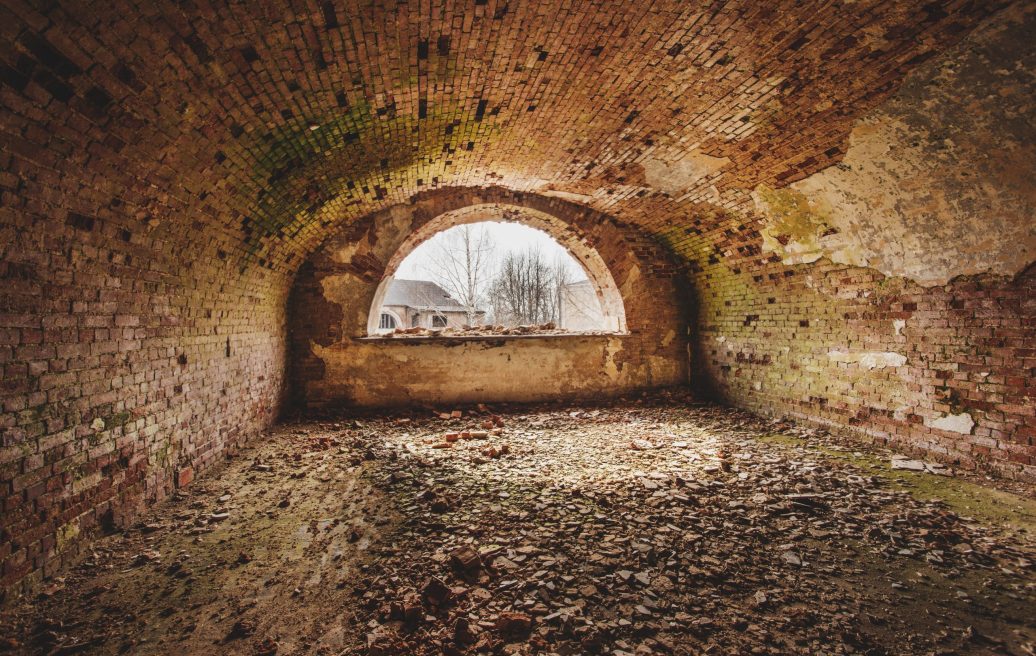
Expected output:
(579, 309)
(420, 304)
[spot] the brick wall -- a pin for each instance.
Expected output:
(127, 371)
(880, 358)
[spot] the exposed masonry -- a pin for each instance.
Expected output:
(272, 125)
(166, 170)
(127, 371)
(820, 342)
(933, 183)
(931, 187)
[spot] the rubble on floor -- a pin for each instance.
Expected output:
(903, 462)
(653, 527)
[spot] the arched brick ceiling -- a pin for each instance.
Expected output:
(255, 127)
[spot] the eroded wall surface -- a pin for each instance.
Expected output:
(333, 365)
(945, 370)
(898, 301)
(936, 182)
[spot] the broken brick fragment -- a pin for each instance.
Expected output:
(513, 625)
(184, 476)
(465, 561)
(408, 609)
(463, 634)
(435, 591)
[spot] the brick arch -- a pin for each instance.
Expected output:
(333, 361)
(566, 234)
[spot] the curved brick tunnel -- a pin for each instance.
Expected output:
(831, 210)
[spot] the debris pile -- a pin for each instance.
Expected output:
(636, 531)
(658, 526)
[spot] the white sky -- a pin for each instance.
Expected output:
(508, 237)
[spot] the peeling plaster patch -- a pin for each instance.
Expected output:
(669, 337)
(676, 177)
(962, 423)
(629, 285)
(936, 182)
(566, 195)
(661, 368)
(611, 369)
(899, 325)
(800, 229)
(870, 359)
(344, 254)
(847, 292)
(345, 286)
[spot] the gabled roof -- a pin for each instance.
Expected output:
(420, 294)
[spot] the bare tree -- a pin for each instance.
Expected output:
(463, 260)
(527, 289)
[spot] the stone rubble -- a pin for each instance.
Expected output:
(657, 527)
(903, 462)
(555, 553)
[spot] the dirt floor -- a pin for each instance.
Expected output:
(653, 527)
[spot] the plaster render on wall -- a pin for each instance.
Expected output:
(962, 423)
(935, 182)
(869, 359)
(675, 177)
(468, 371)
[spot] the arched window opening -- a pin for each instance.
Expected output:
(484, 277)
(387, 322)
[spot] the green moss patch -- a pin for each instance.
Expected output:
(964, 497)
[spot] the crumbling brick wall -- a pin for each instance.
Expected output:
(948, 371)
(891, 295)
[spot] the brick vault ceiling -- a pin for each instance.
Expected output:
(260, 126)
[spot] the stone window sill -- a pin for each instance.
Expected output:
(480, 338)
